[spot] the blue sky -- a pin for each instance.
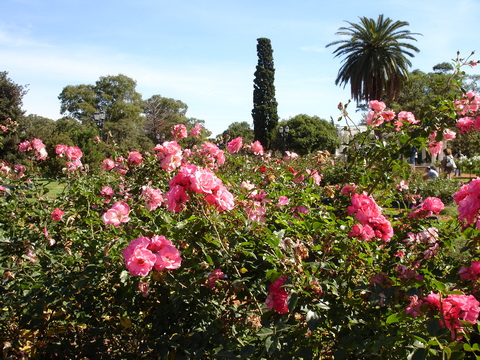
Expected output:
(203, 52)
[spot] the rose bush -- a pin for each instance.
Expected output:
(194, 253)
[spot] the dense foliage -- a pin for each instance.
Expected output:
(308, 134)
(264, 113)
(194, 253)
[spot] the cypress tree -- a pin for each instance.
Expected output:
(264, 113)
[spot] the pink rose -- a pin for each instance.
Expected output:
(60, 150)
(25, 146)
(168, 258)
(277, 296)
(117, 214)
(179, 131)
(140, 261)
(107, 164)
(135, 158)
(153, 197)
(377, 106)
(57, 214)
(74, 153)
(257, 148)
(235, 145)
(196, 131)
(282, 200)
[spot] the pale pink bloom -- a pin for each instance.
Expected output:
(413, 308)
(247, 185)
(470, 273)
(170, 154)
(469, 104)
(74, 153)
(25, 146)
(153, 197)
(476, 123)
(388, 115)
(407, 116)
(467, 199)
(402, 185)
(171, 162)
(3, 188)
(435, 147)
(117, 214)
(283, 200)
(317, 178)
(256, 212)
(290, 155)
(168, 258)
(139, 261)
(303, 210)
(377, 106)
(5, 169)
(180, 131)
(176, 198)
(144, 288)
(465, 124)
(455, 308)
(73, 165)
(38, 144)
(41, 154)
(60, 150)
(3, 128)
(57, 214)
(349, 189)
(204, 181)
(196, 131)
(448, 134)
(213, 153)
(277, 296)
(107, 164)
(157, 242)
(374, 118)
(19, 170)
(107, 191)
(257, 148)
(221, 198)
(135, 158)
(235, 145)
(31, 255)
(429, 206)
(213, 277)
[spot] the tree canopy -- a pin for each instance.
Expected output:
(11, 98)
(310, 133)
(264, 113)
(375, 57)
(237, 129)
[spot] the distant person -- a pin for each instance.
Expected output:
(431, 174)
(459, 157)
(414, 156)
(448, 163)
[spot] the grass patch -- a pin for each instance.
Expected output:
(53, 187)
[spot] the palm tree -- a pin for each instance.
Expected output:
(375, 58)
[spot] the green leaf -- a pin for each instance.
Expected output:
(392, 319)
(313, 319)
(265, 332)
